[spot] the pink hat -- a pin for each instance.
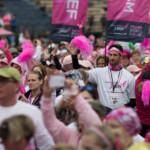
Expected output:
(67, 60)
(133, 68)
(86, 64)
(127, 118)
(126, 53)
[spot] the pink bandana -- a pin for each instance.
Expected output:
(115, 68)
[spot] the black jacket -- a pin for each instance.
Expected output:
(37, 102)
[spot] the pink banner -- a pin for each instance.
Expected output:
(148, 25)
(127, 20)
(128, 10)
(69, 12)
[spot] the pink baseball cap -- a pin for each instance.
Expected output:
(67, 60)
(86, 64)
(133, 68)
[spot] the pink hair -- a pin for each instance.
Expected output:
(28, 51)
(146, 93)
(2, 44)
(82, 43)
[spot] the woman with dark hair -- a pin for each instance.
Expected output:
(89, 93)
(101, 61)
(35, 82)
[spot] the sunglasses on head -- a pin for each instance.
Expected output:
(88, 88)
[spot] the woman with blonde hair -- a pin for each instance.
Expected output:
(99, 138)
(16, 132)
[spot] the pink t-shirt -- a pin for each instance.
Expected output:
(7, 20)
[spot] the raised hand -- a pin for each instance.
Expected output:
(73, 50)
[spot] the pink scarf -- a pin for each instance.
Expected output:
(115, 68)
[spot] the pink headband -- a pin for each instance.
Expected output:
(102, 135)
(115, 50)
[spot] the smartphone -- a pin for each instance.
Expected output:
(57, 81)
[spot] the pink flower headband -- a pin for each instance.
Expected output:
(127, 118)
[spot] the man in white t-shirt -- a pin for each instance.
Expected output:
(9, 106)
(115, 85)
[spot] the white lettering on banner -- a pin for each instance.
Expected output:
(74, 8)
(129, 5)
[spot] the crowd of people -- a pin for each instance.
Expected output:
(85, 94)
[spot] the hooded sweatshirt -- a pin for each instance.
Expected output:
(59, 131)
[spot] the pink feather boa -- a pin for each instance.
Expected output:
(2, 44)
(27, 51)
(146, 93)
(82, 43)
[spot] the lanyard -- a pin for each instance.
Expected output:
(30, 97)
(112, 82)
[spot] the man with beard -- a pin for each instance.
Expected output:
(116, 86)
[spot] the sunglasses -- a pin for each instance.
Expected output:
(88, 88)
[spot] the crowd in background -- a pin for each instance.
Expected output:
(55, 96)
(86, 94)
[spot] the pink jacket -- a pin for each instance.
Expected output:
(59, 131)
(7, 20)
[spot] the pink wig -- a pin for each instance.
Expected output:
(82, 43)
(27, 51)
(2, 44)
(146, 93)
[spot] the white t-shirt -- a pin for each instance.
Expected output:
(123, 92)
(41, 136)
